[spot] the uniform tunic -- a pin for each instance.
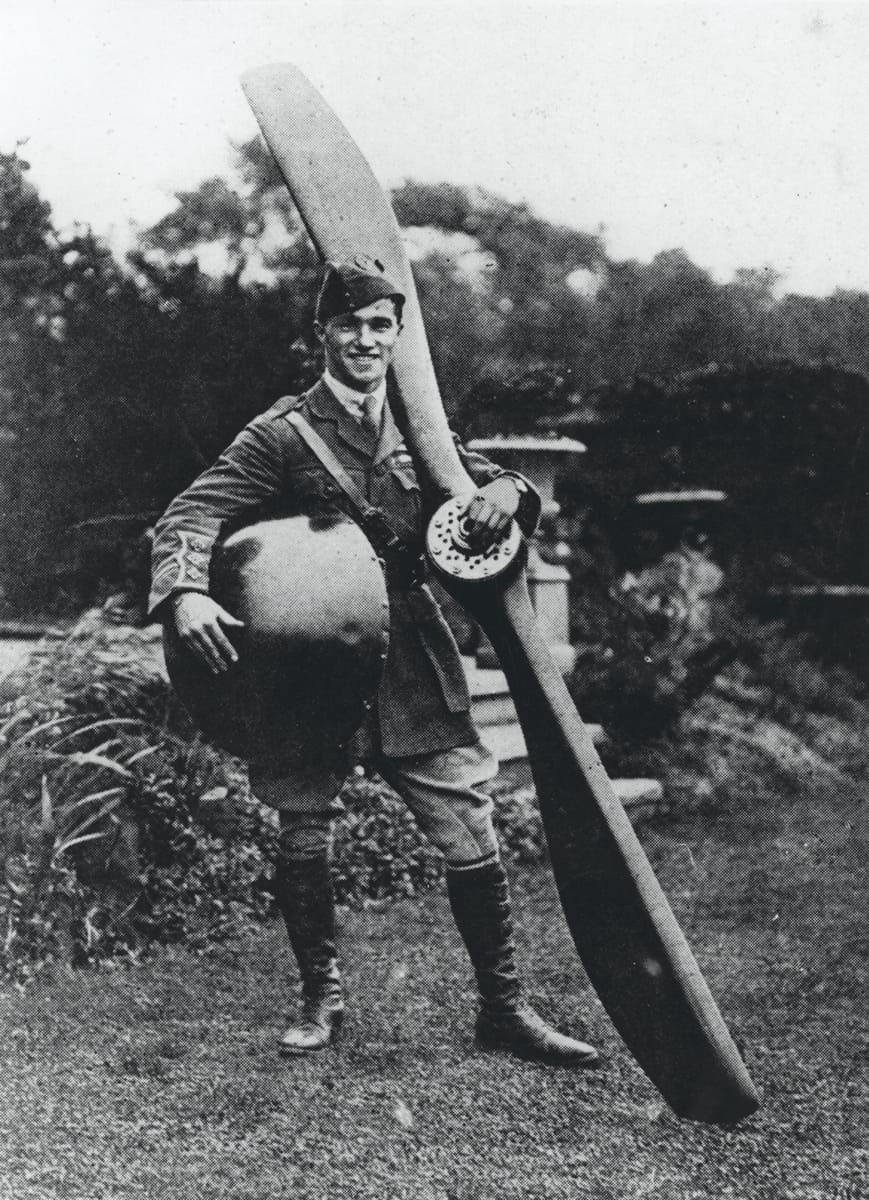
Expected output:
(423, 702)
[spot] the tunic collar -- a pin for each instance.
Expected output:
(325, 405)
(355, 402)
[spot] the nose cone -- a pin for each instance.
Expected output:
(316, 612)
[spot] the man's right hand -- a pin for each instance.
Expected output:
(200, 622)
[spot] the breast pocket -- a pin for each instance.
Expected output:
(313, 483)
(313, 492)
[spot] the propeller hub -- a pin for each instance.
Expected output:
(450, 553)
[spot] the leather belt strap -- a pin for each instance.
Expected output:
(371, 518)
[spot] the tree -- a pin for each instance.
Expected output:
(246, 229)
(34, 274)
(787, 442)
(502, 300)
(120, 381)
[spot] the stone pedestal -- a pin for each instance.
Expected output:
(688, 516)
(539, 459)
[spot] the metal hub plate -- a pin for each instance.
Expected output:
(450, 554)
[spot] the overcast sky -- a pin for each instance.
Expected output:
(736, 131)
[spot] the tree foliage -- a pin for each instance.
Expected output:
(119, 381)
(787, 442)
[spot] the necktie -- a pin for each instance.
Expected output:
(371, 417)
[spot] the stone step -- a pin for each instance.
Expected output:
(493, 710)
(639, 793)
(490, 696)
(484, 681)
(506, 742)
(640, 797)
(491, 700)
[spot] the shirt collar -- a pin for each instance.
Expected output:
(354, 402)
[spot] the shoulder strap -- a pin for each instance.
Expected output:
(371, 518)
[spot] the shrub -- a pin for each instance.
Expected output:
(379, 851)
(120, 828)
(102, 784)
(648, 651)
(800, 674)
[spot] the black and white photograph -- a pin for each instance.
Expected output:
(434, 596)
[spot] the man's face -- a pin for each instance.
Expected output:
(359, 345)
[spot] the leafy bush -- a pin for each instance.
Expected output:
(103, 785)
(647, 653)
(794, 670)
(121, 828)
(519, 826)
(786, 440)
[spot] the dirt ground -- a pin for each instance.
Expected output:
(161, 1080)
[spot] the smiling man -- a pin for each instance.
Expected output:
(358, 347)
(420, 736)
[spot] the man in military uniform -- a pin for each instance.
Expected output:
(420, 735)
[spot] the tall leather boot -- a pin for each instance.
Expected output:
(480, 900)
(304, 894)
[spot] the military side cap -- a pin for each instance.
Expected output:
(347, 286)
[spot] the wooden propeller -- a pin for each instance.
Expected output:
(625, 933)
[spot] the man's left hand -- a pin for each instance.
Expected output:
(490, 511)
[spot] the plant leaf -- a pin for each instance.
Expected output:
(45, 806)
(99, 725)
(93, 758)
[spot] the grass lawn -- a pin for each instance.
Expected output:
(162, 1081)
